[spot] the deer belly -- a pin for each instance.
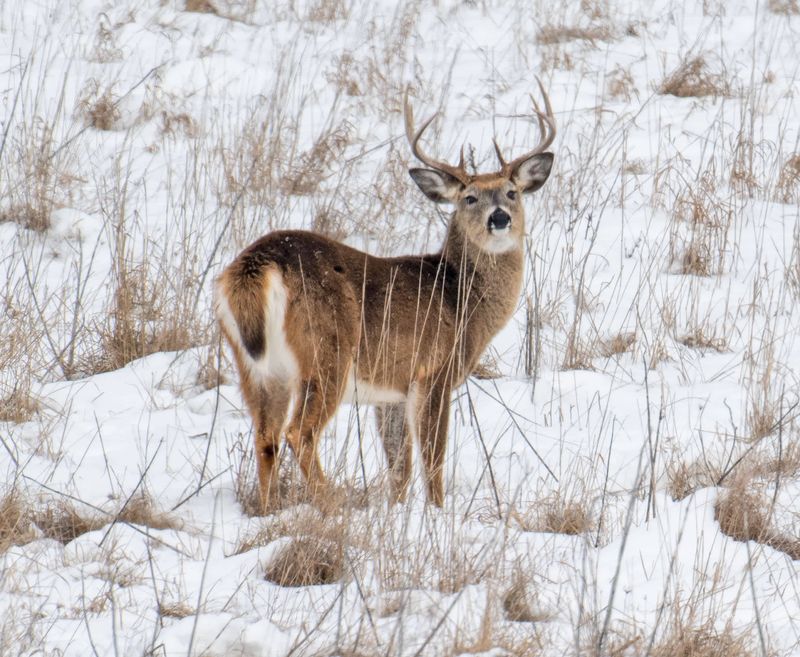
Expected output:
(359, 391)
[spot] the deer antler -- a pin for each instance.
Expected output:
(459, 172)
(547, 131)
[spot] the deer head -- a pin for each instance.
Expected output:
(488, 206)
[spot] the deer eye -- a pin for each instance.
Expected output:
(471, 200)
(511, 194)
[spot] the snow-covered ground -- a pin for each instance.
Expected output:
(642, 422)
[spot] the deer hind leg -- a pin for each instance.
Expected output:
(270, 411)
(432, 414)
(396, 439)
(316, 404)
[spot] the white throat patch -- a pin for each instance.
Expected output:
(500, 241)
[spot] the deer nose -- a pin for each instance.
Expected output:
(499, 220)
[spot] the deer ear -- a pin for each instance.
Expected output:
(532, 173)
(438, 186)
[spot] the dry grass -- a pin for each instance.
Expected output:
(330, 221)
(304, 176)
(454, 568)
(693, 78)
(200, 7)
(150, 311)
(15, 521)
(300, 525)
(99, 108)
(620, 84)
(764, 413)
(557, 515)
(232, 10)
(251, 541)
(759, 463)
(618, 344)
(248, 496)
(62, 522)
(346, 76)
(743, 516)
(105, 47)
(487, 367)
(209, 374)
(578, 355)
(37, 172)
(240, 454)
(785, 7)
(567, 517)
(253, 159)
(635, 168)
(696, 260)
(18, 405)
(699, 339)
(137, 327)
(556, 57)
(768, 465)
(307, 562)
(175, 610)
(700, 232)
(140, 510)
(792, 268)
(704, 641)
(28, 215)
(327, 11)
(689, 633)
(554, 34)
(179, 123)
(788, 187)
(517, 606)
(684, 478)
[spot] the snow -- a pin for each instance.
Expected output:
(217, 114)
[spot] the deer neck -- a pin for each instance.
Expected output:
(488, 285)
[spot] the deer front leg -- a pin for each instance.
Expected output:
(396, 440)
(432, 416)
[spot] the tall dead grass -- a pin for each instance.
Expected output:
(792, 267)
(18, 404)
(555, 34)
(38, 171)
(99, 107)
(704, 640)
(744, 514)
(699, 238)
(15, 520)
(785, 7)
(694, 78)
(307, 562)
(788, 187)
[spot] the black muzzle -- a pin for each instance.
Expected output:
(499, 220)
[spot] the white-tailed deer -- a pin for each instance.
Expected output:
(313, 322)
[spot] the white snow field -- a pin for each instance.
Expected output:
(623, 478)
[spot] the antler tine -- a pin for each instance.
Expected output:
(547, 130)
(499, 154)
(459, 172)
